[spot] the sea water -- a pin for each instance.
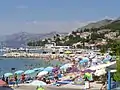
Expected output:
(14, 64)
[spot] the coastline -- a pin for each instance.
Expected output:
(25, 55)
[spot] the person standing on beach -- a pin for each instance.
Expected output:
(3, 78)
(16, 79)
(7, 80)
(87, 83)
(104, 86)
(23, 78)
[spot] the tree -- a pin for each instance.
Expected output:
(117, 74)
(116, 49)
(29, 43)
(71, 37)
(83, 42)
(79, 46)
(57, 41)
(94, 36)
(73, 32)
(57, 35)
(103, 49)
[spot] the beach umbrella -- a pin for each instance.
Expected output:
(49, 69)
(38, 83)
(42, 73)
(66, 66)
(29, 72)
(63, 67)
(41, 68)
(8, 74)
(2, 83)
(105, 60)
(100, 72)
(69, 64)
(19, 72)
(84, 60)
(38, 69)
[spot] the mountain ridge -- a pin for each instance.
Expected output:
(20, 39)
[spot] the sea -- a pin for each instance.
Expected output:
(13, 64)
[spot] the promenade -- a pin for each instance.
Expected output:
(94, 86)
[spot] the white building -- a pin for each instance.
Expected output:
(49, 45)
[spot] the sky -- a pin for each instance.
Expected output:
(43, 16)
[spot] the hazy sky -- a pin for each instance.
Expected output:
(41, 16)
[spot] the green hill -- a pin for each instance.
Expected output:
(92, 33)
(115, 25)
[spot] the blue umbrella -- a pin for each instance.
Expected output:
(49, 69)
(41, 68)
(84, 60)
(19, 72)
(105, 60)
(38, 69)
(8, 74)
(63, 67)
(66, 66)
(29, 72)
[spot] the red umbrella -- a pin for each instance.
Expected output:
(2, 83)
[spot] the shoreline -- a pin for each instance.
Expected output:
(47, 57)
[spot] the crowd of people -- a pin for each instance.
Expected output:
(56, 75)
(13, 80)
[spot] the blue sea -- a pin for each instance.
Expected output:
(7, 64)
